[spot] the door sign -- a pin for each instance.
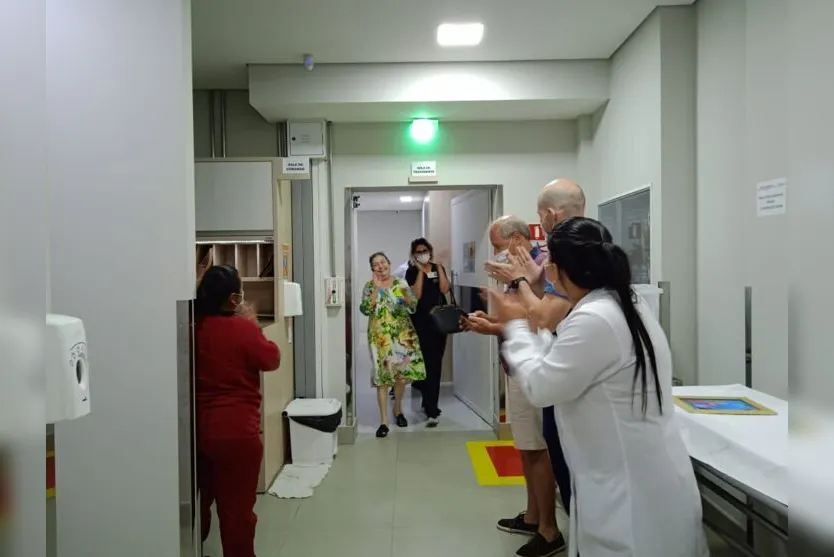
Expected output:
(536, 232)
(537, 236)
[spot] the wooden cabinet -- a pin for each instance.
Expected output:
(244, 219)
(254, 259)
(233, 196)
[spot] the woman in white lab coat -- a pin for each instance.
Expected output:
(608, 371)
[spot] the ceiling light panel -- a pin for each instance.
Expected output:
(460, 34)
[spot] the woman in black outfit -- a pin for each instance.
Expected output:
(430, 284)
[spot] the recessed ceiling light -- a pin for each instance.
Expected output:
(460, 34)
(406, 199)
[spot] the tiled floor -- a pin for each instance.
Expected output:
(456, 415)
(410, 495)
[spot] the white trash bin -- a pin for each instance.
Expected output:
(314, 423)
(652, 296)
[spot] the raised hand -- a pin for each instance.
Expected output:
(247, 311)
(478, 324)
(502, 272)
(524, 266)
(506, 307)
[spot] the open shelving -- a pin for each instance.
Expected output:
(253, 259)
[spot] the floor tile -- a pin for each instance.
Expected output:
(410, 495)
(476, 541)
(341, 541)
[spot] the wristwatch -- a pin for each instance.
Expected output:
(515, 283)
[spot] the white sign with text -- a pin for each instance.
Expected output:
(772, 197)
(295, 165)
(424, 169)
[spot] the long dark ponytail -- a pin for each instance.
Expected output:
(582, 248)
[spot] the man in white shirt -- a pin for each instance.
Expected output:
(508, 234)
(559, 200)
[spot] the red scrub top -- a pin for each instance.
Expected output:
(231, 351)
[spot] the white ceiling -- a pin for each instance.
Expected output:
(229, 34)
(390, 201)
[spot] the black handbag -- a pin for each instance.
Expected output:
(447, 317)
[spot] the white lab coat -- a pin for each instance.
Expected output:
(635, 493)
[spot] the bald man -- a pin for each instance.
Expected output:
(560, 200)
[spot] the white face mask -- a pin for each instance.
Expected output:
(502, 256)
(423, 258)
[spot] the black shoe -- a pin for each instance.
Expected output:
(382, 431)
(401, 421)
(516, 525)
(540, 547)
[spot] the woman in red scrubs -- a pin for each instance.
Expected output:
(231, 351)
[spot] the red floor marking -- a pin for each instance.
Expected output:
(506, 460)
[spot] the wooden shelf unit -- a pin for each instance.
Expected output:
(253, 259)
(243, 212)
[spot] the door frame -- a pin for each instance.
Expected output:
(352, 306)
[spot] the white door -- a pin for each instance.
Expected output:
(473, 355)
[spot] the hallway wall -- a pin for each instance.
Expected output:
(121, 178)
(646, 135)
(521, 156)
(247, 134)
(742, 140)
(24, 229)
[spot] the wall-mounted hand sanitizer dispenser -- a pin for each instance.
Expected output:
(292, 299)
(67, 369)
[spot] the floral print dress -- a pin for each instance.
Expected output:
(395, 350)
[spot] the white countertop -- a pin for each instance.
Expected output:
(753, 450)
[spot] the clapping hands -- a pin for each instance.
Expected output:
(247, 311)
(506, 307)
(520, 265)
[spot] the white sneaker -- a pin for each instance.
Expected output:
(432, 422)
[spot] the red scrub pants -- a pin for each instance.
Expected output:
(227, 474)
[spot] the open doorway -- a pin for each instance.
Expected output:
(455, 222)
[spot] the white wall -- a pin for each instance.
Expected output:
(623, 151)
(521, 156)
(247, 134)
(742, 140)
(810, 227)
(24, 234)
(721, 174)
(122, 209)
(646, 135)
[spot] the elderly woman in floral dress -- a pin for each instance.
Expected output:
(388, 302)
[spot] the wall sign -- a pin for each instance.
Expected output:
(285, 261)
(772, 197)
(295, 165)
(424, 169)
(536, 233)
